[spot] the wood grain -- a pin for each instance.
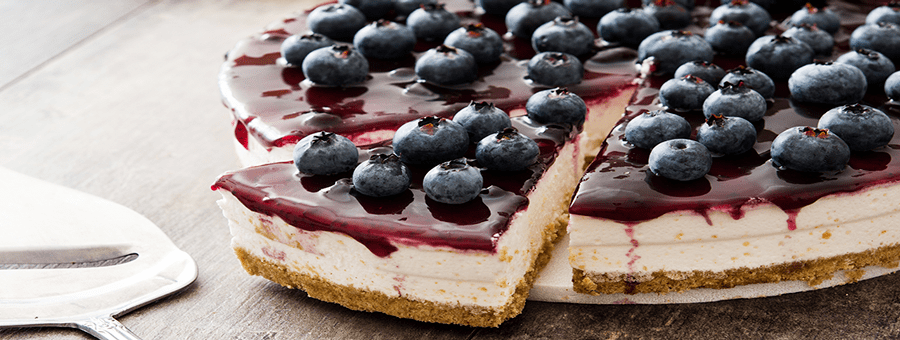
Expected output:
(133, 114)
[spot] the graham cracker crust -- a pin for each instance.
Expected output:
(813, 272)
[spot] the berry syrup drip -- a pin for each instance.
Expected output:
(328, 203)
(273, 103)
(619, 186)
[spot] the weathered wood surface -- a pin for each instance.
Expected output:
(130, 111)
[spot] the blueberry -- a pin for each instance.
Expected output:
(432, 22)
(671, 16)
(778, 56)
(882, 37)
(453, 182)
(430, 140)
(496, 7)
(507, 150)
(887, 13)
(325, 153)
(735, 100)
(651, 128)
(705, 70)
(593, 8)
(372, 9)
(482, 119)
(687, 4)
(671, 49)
(821, 17)
(483, 43)
(556, 106)
(828, 83)
(862, 127)
(803, 148)
(524, 18)
(892, 86)
(680, 160)
(730, 38)
(405, 7)
(756, 18)
(381, 175)
(336, 21)
(555, 69)
(754, 79)
(446, 65)
(384, 40)
(563, 34)
(296, 47)
(873, 64)
(627, 26)
(685, 94)
(338, 65)
(820, 41)
(727, 136)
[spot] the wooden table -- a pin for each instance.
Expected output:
(118, 98)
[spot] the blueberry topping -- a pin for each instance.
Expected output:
(705, 70)
(325, 153)
(627, 26)
(671, 16)
(482, 119)
(730, 38)
(735, 100)
(483, 43)
(687, 4)
(372, 9)
(756, 18)
(432, 22)
(497, 7)
(507, 150)
(654, 127)
(684, 94)
(405, 7)
(430, 140)
(381, 175)
(778, 56)
(828, 83)
(862, 127)
(338, 65)
(336, 21)
(453, 182)
(447, 65)
(524, 18)
(556, 106)
(888, 13)
(882, 37)
(671, 49)
(680, 160)
(563, 34)
(892, 86)
(823, 18)
(727, 135)
(384, 40)
(296, 47)
(804, 148)
(874, 65)
(754, 79)
(555, 69)
(820, 41)
(593, 8)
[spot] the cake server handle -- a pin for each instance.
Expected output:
(105, 328)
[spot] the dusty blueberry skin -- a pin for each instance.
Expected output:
(725, 136)
(874, 65)
(820, 41)
(778, 56)
(888, 13)
(446, 65)
(507, 150)
(524, 18)
(882, 37)
(707, 71)
(654, 127)
(384, 40)
(892, 86)
(483, 43)
(338, 65)
(680, 160)
(627, 26)
(405, 7)
(381, 175)
(497, 7)
(823, 18)
(671, 16)
(430, 140)
(735, 100)
(670, 49)
(453, 182)
(593, 8)
(296, 47)
(687, 4)
(828, 83)
(730, 38)
(756, 18)
(325, 153)
(685, 94)
(556, 106)
(482, 119)
(754, 79)
(862, 127)
(336, 21)
(555, 69)
(563, 34)
(372, 9)
(803, 148)
(432, 22)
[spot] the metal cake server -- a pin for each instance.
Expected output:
(71, 259)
